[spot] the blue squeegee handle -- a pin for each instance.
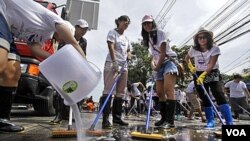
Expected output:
(149, 105)
(210, 100)
(109, 95)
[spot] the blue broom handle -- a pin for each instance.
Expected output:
(210, 100)
(109, 95)
(150, 103)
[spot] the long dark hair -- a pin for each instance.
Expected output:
(210, 42)
(152, 34)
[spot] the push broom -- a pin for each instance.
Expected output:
(60, 133)
(210, 100)
(91, 131)
(217, 133)
(147, 134)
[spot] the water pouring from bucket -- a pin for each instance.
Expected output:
(72, 77)
(71, 73)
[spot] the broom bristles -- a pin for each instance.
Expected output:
(73, 133)
(64, 133)
(95, 132)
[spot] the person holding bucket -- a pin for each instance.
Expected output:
(119, 51)
(79, 30)
(166, 70)
(206, 54)
(18, 19)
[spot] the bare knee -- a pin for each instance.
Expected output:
(11, 74)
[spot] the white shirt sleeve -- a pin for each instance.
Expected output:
(111, 36)
(215, 51)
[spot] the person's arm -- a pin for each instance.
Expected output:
(162, 56)
(111, 47)
(68, 38)
(144, 88)
(212, 63)
(189, 63)
(36, 50)
(246, 92)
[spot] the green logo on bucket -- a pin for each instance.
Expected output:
(70, 86)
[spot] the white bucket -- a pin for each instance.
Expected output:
(70, 74)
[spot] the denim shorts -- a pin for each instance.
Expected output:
(167, 67)
(5, 35)
(6, 40)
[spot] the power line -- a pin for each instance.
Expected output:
(239, 65)
(236, 60)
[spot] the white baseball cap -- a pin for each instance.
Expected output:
(147, 18)
(82, 23)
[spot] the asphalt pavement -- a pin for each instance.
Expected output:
(37, 128)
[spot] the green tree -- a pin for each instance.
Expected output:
(139, 66)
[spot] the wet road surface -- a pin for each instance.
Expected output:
(37, 128)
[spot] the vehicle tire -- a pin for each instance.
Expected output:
(44, 106)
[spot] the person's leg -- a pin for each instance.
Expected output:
(219, 96)
(169, 82)
(244, 104)
(8, 85)
(197, 107)
(234, 107)
(118, 100)
(109, 77)
(5, 40)
(207, 105)
(162, 102)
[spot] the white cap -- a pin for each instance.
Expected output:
(147, 18)
(82, 23)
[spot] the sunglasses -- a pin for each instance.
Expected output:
(202, 37)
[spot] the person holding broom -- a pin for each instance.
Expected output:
(239, 95)
(19, 19)
(206, 54)
(119, 51)
(166, 70)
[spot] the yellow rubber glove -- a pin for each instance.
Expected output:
(201, 78)
(191, 67)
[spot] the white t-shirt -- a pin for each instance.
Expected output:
(30, 21)
(180, 95)
(161, 38)
(236, 89)
(201, 59)
(122, 45)
(135, 90)
(190, 87)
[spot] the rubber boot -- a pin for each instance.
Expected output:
(64, 109)
(162, 105)
(106, 111)
(209, 117)
(226, 113)
(56, 104)
(6, 94)
(170, 113)
(117, 112)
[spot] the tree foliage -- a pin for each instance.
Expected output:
(139, 66)
(140, 69)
